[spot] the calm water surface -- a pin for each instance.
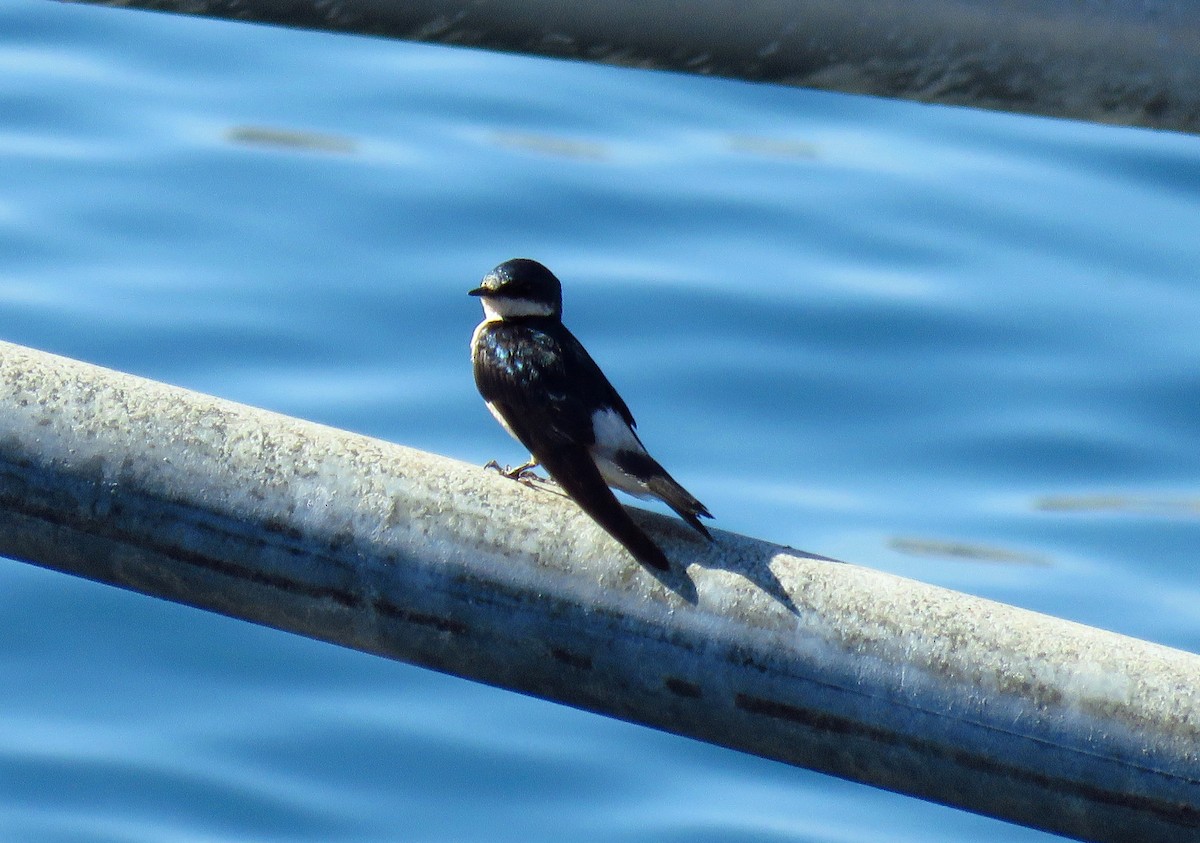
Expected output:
(957, 346)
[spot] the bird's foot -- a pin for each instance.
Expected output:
(521, 472)
(526, 476)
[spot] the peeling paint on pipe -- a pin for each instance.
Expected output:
(1108, 61)
(745, 644)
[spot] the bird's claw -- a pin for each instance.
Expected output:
(524, 473)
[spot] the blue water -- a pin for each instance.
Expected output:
(957, 346)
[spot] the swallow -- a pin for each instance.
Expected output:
(545, 390)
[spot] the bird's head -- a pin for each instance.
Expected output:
(519, 287)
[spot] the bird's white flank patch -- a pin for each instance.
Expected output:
(613, 433)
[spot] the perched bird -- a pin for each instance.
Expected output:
(548, 393)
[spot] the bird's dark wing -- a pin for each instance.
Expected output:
(638, 464)
(575, 472)
(583, 370)
(540, 384)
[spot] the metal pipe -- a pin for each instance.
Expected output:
(746, 644)
(1108, 61)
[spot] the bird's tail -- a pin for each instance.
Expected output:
(681, 500)
(654, 478)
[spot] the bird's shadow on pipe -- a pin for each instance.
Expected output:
(747, 557)
(676, 579)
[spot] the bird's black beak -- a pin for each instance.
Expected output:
(479, 291)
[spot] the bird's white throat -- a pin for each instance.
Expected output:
(496, 308)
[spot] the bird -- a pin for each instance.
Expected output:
(544, 388)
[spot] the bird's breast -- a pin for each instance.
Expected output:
(500, 418)
(476, 336)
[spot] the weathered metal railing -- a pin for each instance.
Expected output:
(745, 644)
